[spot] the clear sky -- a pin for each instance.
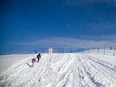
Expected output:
(30, 24)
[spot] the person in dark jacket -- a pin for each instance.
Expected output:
(38, 57)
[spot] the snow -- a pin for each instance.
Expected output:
(62, 70)
(8, 60)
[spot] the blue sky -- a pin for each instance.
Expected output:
(30, 24)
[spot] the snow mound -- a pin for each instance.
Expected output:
(62, 70)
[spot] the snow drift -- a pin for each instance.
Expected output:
(62, 70)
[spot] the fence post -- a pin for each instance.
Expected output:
(43, 50)
(114, 52)
(83, 51)
(70, 50)
(104, 51)
(98, 50)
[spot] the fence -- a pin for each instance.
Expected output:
(109, 51)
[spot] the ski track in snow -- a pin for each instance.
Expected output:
(62, 70)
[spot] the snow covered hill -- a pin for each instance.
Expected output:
(62, 70)
(8, 60)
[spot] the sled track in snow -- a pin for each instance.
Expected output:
(63, 70)
(99, 74)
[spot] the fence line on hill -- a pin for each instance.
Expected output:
(105, 51)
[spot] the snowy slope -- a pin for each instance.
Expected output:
(8, 60)
(63, 70)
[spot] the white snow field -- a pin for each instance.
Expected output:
(62, 70)
(8, 60)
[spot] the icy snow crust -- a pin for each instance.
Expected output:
(62, 70)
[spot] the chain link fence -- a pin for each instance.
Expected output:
(105, 51)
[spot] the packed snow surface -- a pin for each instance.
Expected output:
(62, 70)
(7, 60)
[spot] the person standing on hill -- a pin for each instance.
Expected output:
(38, 57)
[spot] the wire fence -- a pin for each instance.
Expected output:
(105, 51)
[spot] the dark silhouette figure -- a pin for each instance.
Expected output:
(38, 57)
